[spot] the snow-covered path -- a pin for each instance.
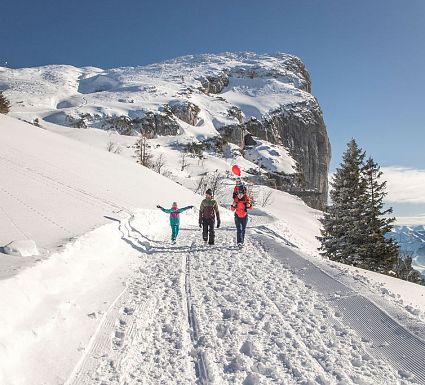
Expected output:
(217, 315)
(384, 335)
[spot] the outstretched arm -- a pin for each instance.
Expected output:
(164, 210)
(184, 209)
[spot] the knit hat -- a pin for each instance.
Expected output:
(209, 192)
(174, 204)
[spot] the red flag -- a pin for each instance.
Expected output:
(236, 170)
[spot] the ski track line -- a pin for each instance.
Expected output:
(38, 213)
(149, 345)
(201, 369)
(315, 319)
(97, 343)
(63, 184)
(54, 184)
(389, 340)
(120, 364)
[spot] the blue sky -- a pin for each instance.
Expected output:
(366, 58)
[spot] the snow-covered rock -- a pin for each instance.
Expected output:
(22, 248)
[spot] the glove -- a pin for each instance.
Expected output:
(158, 206)
(191, 207)
(218, 224)
(200, 224)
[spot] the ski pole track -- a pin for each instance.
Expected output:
(201, 367)
(33, 209)
(54, 184)
(14, 223)
(66, 186)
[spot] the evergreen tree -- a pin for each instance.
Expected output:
(4, 104)
(342, 232)
(378, 252)
(355, 224)
(404, 270)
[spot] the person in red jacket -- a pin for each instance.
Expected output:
(241, 204)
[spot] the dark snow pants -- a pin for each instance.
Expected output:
(240, 228)
(208, 233)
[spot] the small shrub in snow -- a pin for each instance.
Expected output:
(143, 154)
(159, 164)
(4, 104)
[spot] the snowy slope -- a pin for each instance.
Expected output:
(120, 305)
(55, 188)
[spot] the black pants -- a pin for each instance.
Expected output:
(240, 228)
(208, 229)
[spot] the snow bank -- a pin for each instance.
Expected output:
(50, 311)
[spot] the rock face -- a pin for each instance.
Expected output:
(299, 128)
(185, 111)
(240, 98)
(214, 84)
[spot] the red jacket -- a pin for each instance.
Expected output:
(241, 206)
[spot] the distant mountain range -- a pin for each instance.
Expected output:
(412, 242)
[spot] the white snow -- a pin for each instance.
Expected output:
(271, 157)
(110, 301)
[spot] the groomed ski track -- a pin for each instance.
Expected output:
(196, 314)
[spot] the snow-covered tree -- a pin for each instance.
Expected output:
(342, 232)
(378, 252)
(4, 104)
